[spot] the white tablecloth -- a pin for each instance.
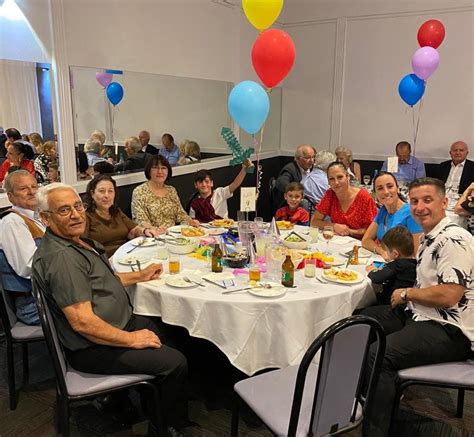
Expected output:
(253, 332)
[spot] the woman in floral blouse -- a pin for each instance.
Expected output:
(156, 204)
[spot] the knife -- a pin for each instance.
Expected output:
(215, 283)
(248, 287)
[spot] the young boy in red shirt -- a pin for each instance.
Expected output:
(292, 211)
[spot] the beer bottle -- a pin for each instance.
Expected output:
(216, 259)
(287, 272)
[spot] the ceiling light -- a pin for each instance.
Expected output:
(10, 10)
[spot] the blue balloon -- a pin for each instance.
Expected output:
(411, 89)
(114, 93)
(114, 71)
(249, 105)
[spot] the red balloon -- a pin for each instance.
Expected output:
(273, 55)
(431, 33)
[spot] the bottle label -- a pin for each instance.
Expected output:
(218, 261)
(285, 276)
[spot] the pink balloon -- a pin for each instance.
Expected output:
(424, 62)
(104, 78)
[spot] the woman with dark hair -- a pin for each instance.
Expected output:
(156, 204)
(394, 212)
(19, 155)
(350, 209)
(106, 223)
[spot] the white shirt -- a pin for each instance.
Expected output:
(304, 173)
(446, 256)
(218, 202)
(454, 176)
(17, 242)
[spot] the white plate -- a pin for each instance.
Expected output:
(176, 229)
(216, 231)
(363, 253)
(131, 260)
(178, 282)
(277, 290)
(360, 278)
(146, 243)
(336, 262)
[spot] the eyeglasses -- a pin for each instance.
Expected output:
(307, 158)
(67, 209)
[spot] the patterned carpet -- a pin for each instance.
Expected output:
(425, 411)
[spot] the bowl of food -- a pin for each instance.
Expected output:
(181, 246)
(296, 241)
(190, 231)
(236, 260)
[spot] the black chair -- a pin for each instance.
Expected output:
(73, 385)
(16, 332)
(322, 399)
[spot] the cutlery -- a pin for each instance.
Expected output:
(131, 266)
(139, 266)
(349, 259)
(248, 287)
(215, 283)
(185, 278)
(139, 243)
(320, 280)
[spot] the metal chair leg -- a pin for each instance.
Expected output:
(11, 376)
(234, 427)
(63, 416)
(26, 364)
(460, 404)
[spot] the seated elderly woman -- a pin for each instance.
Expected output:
(394, 212)
(344, 155)
(93, 147)
(350, 209)
(19, 155)
(106, 223)
(156, 204)
(190, 152)
(316, 183)
(45, 159)
(37, 140)
(465, 207)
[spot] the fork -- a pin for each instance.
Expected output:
(186, 279)
(321, 280)
(139, 243)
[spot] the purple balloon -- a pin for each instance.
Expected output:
(104, 78)
(424, 62)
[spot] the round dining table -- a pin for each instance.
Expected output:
(254, 332)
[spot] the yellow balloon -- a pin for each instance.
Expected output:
(262, 13)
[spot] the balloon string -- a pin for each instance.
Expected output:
(258, 147)
(415, 134)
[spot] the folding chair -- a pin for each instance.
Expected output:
(319, 399)
(73, 385)
(16, 332)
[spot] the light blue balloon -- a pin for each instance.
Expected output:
(249, 105)
(114, 93)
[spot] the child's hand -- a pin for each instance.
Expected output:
(247, 163)
(370, 268)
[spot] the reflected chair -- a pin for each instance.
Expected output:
(322, 399)
(16, 332)
(457, 375)
(73, 385)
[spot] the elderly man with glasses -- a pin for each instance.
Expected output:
(92, 310)
(295, 171)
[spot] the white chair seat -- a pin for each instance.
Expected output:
(82, 384)
(270, 396)
(20, 331)
(459, 373)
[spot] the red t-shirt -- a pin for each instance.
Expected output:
(26, 164)
(299, 216)
(359, 215)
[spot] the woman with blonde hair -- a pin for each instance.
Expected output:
(190, 152)
(37, 140)
(344, 155)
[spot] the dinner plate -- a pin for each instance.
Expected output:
(146, 242)
(175, 229)
(131, 260)
(178, 282)
(359, 279)
(277, 290)
(363, 253)
(221, 223)
(337, 262)
(216, 231)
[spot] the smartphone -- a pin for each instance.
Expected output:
(378, 264)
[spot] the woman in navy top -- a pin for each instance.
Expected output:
(394, 212)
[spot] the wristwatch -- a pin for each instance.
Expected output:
(403, 295)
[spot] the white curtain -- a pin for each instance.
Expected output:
(19, 102)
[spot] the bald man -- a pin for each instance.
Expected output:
(144, 137)
(458, 171)
(295, 171)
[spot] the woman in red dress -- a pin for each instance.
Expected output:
(19, 155)
(350, 209)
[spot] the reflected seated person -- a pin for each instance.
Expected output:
(169, 149)
(293, 211)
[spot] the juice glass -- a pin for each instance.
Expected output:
(173, 264)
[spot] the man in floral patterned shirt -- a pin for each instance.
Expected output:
(433, 321)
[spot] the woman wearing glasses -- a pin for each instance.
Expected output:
(106, 223)
(350, 209)
(156, 204)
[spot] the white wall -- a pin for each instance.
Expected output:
(343, 88)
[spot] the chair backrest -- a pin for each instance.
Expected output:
(51, 337)
(344, 347)
(7, 311)
(188, 203)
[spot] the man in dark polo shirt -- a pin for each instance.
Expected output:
(92, 310)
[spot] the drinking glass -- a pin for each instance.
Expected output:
(173, 263)
(161, 250)
(254, 273)
(309, 268)
(366, 179)
(314, 234)
(245, 232)
(328, 233)
(274, 256)
(242, 216)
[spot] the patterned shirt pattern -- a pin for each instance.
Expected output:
(446, 256)
(149, 209)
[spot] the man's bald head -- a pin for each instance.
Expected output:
(144, 137)
(304, 156)
(458, 152)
